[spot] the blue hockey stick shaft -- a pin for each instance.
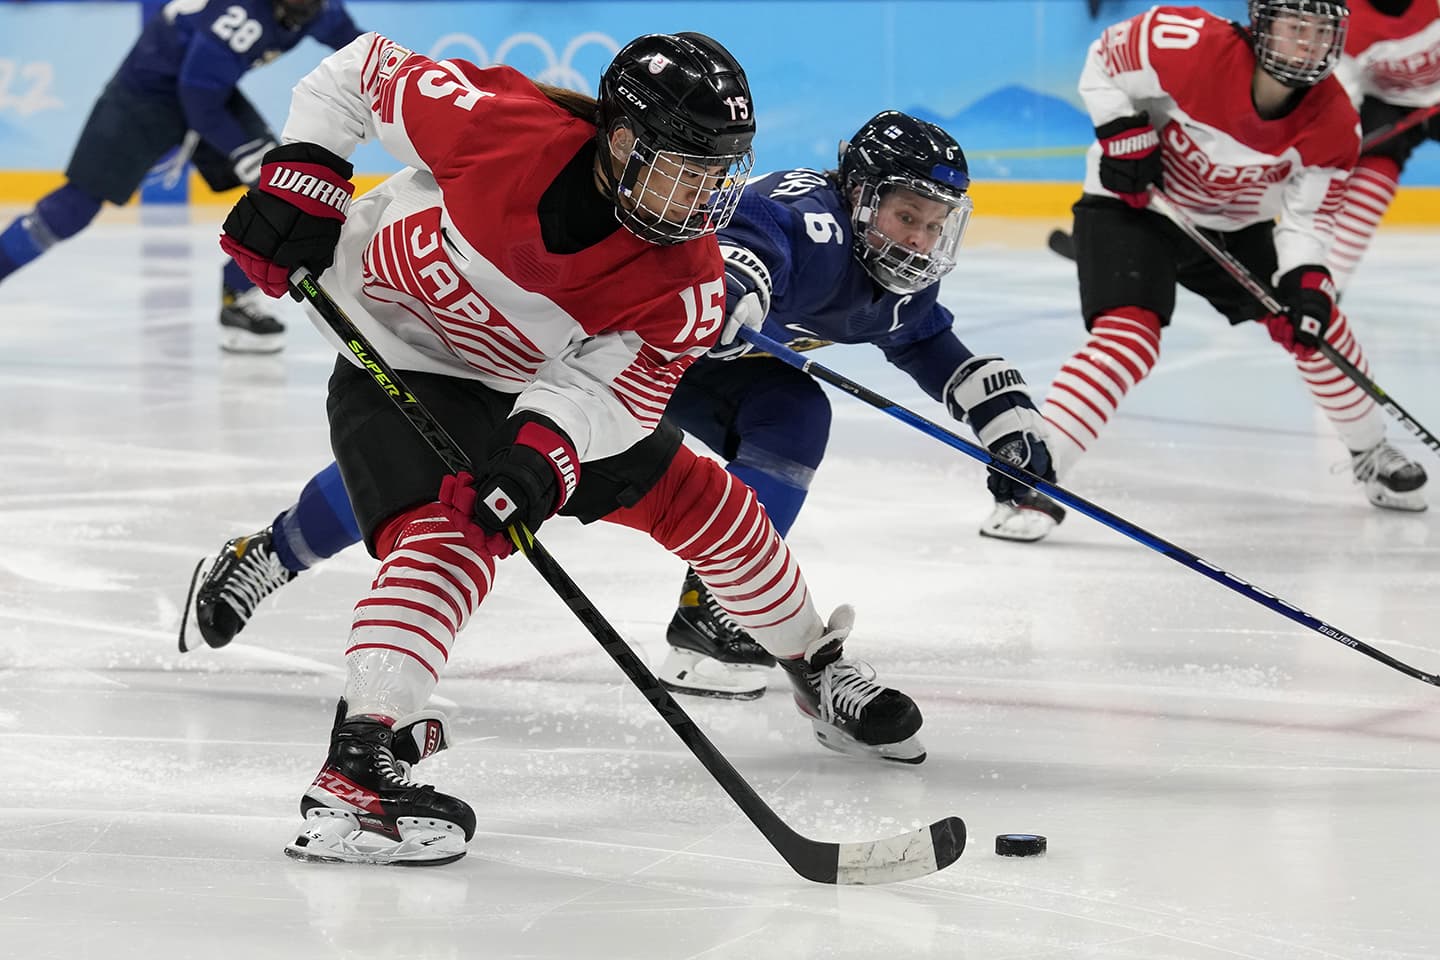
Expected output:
(1079, 504)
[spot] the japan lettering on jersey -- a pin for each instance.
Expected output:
(1223, 164)
(452, 270)
(1395, 59)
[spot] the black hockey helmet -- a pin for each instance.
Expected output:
(894, 150)
(687, 103)
(294, 14)
(1298, 42)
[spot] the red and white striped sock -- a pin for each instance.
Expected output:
(1354, 415)
(1123, 347)
(1368, 193)
(429, 584)
(710, 519)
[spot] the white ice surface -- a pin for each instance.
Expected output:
(1215, 781)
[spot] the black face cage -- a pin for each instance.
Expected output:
(1299, 42)
(668, 197)
(892, 264)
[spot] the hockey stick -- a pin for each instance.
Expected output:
(1064, 244)
(905, 857)
(1262, 292)
(1077, 503)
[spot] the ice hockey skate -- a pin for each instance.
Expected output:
(245, 326)
(1027, 519)
(226, 589)
(710, 655)
(1392, 480)
(361, 808)
(849, 711)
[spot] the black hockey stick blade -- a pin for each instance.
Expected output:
(904, 857)
(1062, 243)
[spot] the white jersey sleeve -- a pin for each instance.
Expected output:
(1117, 78)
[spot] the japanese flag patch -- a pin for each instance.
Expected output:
(500, 503)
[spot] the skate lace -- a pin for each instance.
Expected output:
(1380, 460)
(258, 574)
(846, 686)
(394, 771)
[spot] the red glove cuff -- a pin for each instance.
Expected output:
(558, 451)
(311, 187)
(273, 279)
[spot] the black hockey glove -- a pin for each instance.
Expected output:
(747, 301)
(1130, 159)
(1309, 298)
(292, 217)
(525, 482)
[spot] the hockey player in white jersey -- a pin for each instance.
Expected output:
(1391, 69)
(1238, 127)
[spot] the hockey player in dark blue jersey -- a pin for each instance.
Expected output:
(852, 256)
(177, 87)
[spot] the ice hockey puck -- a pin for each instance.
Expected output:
(1019, 845)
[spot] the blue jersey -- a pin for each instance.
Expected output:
(197, 51)
(797, 223)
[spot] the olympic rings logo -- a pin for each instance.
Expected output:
(558, 71)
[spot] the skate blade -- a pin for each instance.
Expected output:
(909, 750)
(233, 340)
(335, 836)
(695, 674)
(1412, 501)
(190, 636)
(1017, 524)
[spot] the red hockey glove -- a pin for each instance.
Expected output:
(1309, 298)
(292, 217)
(1130, 159)
(525, 482)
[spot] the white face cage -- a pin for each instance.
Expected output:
(668, 197)
(1299, 42)
(895, 266)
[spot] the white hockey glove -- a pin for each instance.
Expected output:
(747, 301)
(989, 394)
(247, 159)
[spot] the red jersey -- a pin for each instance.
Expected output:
(1395, 59)
(443, 266)
(1227, 167)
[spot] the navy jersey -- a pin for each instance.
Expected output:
(197, 51)
(796, 222)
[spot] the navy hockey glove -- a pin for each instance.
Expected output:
(248, 158)
(747, 301)
(525, 482)
(1130, 159)
(989, 394)
(292, 217)
(1308, 294)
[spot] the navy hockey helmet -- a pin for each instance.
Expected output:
(892, 152)
(294, 14)
(1298, 42)
(687, 104)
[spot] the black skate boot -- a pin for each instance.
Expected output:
(362, 809)
(1391, 479)
(245, 327)
(226, 589)
(849, 711)
(1025, 519)
(710, 654)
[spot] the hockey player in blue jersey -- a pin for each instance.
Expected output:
(178, 86)
(854, 255)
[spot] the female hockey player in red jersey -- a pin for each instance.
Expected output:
(1391, 69)
(1237, 127)
(544, 270)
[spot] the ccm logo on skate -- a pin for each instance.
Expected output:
(342, 789)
